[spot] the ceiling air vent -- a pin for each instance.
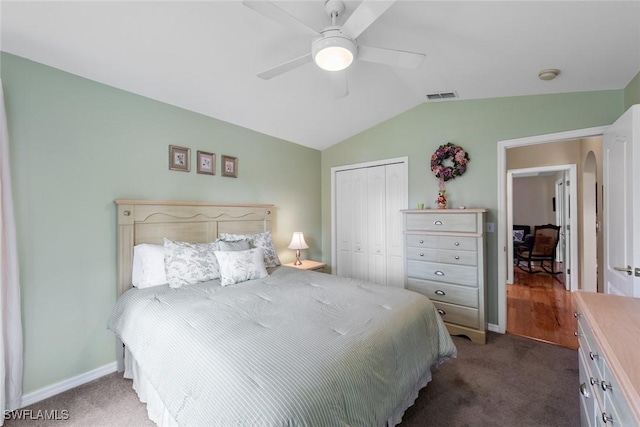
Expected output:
(441, 95)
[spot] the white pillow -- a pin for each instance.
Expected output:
(148, 266)
(240, 266)
(260, 240)
(189, 263)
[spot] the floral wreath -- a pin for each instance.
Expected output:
(453, 153)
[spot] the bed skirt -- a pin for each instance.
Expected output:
(159, 414)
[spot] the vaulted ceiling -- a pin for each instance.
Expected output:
(204, 56)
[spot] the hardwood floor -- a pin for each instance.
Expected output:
(539, 307)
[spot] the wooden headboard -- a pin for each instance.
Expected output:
(144, 221)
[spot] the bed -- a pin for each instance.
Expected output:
(293, 348)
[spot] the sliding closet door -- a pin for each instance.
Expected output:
(357, 219)
(376, 224)
(343, 191)
(395, 200)
(351, 223)
(368, 223)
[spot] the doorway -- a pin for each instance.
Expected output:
(539, 304)
(504, 235)
(566, 201)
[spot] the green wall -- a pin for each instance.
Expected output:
(477, 126)
(632, 92)
(76, 145)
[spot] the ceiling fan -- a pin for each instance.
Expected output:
(335, 47)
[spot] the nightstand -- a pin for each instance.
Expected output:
(309, 265)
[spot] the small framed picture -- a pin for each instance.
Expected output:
(206, 163)
(179, 158)
(230, 166)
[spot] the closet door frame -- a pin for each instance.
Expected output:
(397, 160)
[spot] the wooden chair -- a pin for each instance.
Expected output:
(545, 242)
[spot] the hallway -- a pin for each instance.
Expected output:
(539, 307)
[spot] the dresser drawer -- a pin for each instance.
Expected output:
(464, 223)
(458, 257)
(590, 348)
(448, 273)
(422, 254)
(588, 402)
(458, 314)
(448, 257)
(422, 241)
(458, 243)
(461, 295)
(615, 404)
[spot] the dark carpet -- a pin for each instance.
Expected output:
(511, 381)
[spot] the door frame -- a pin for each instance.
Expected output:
(336, 169)
(502, 147)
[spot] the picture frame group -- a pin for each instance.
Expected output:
(180, 160)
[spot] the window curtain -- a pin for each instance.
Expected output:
(10, 321)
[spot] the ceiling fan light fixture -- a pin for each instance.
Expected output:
(333, 52)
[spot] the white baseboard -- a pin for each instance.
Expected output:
(494, 328)
(68, 384)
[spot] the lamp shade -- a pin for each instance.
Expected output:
(297, 242)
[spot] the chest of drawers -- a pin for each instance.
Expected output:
(609, 337)
(444, 260)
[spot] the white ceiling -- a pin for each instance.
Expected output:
(204, 56)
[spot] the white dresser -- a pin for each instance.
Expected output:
(609, 359)
(444, 252)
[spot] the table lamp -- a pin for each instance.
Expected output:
(297, 243)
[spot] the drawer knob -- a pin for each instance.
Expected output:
(438, 273)
(577, 334)
(439, 292)
(421, 241)
(457, 243)
(584, 390)
(457, 257)
(606, 418)
(421, 254)
(593, 356)
(437, 222)
(576, 315)
(441, 312)
(605, 386)
(593, 381)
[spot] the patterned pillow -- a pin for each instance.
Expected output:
(260, 240)
(229, 245)
(189, 263)
(518, 235)
(240, 266)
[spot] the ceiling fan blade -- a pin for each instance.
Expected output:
(339, 83)
(281, 16)
(365, 15)
(283, 68)
(395, 58)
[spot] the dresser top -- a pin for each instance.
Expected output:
(472, 210)
(615, 322)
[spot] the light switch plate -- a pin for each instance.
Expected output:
(489, 227)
